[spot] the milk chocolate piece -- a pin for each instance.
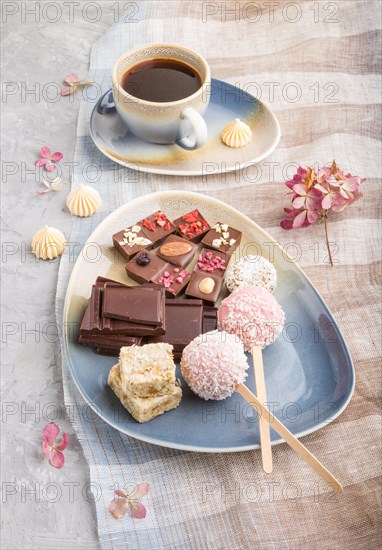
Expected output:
(192, 226)
(212, 261)
(184, 322)
(131, 240)
(143, 272)
(93, 322)
(222, 237)
(204, 286)
(157, 226)
(134, 304)
(177, 251)
(174, 280)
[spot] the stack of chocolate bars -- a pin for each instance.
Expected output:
(118, 315)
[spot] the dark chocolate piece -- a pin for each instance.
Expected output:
(145, 273)
(131, 240)
(212, 261)
(192, 226)
(177, 251)
(204, 286)
(93, 322)
(135, 304)
(210, 318)
(222, 237)
(157, 226)
(174, 280)
(184, 322)
(110, 341)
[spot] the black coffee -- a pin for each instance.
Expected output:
(161, 80)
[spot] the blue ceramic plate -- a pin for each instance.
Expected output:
(227, 102)
(308, 370)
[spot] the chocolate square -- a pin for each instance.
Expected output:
(192, 226)
(143, 272)
(136, 304)
(127, 241)
(211, 261)
(157, 227)
(220, 236)
(174, 280)
(208, 279)
(171, 251)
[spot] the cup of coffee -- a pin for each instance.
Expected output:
(161, 94)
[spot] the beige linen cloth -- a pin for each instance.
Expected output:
(316, 64)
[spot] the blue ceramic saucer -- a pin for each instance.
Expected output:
(227, 102)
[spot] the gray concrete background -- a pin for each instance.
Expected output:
(37, 50)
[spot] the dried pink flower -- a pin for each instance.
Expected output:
(123, 503)
(72, 82)
(48, 159)
(316, 192)
(53, 445)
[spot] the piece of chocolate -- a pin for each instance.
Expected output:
(174, 280)
(109, 341)
(131, 240)
(145, 266)
(192, 226)
(210, 318)
(157, 226)
(211, 261)
(222, 237)
(204, 286)
(93, 322)
(136, 304)
(177, 251)
(184, 321)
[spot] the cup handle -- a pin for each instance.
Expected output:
(200, 130)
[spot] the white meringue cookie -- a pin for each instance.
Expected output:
(48, 243)
(236, 134)
(83, 201)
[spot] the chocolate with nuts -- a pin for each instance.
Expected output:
(192, 226)
(223, 237)
(131, 240)
(177, 251)
(204, 286)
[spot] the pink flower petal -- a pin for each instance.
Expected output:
(57, 459)
(119, 507)
(326, 202)
(286, 224)
(140, 490)
(45, 152)
(71, 78)
(298, 202)
(67, 90)
(56, 157)
(120, 493)
(312, 217)
(137, 510)
(300, 219)
(299, 189)
(49, 167)
(41, 162)
(46, 448)
(63, 443)
(50, 433)
(319, 187)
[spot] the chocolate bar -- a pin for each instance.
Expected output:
(211, 261)
(145, 267)
(204, 286)
(222, 237)
(130, 241)
(192, 226)
(177, 251)
(137, 304)
(157, 226)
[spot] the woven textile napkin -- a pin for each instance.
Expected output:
(225, 500)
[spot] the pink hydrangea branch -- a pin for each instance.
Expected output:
(315, 193)
(53, 445)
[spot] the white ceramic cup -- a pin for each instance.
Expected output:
(179, 122)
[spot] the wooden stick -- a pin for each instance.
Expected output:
(296, 445)
(261, 392)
